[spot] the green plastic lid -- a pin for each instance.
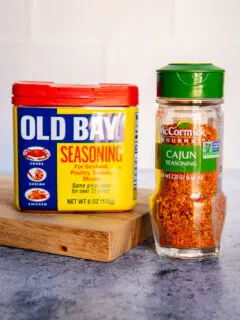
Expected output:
(190, 80)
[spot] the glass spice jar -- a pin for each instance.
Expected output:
(188, 207)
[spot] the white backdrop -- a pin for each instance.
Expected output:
(91, 41)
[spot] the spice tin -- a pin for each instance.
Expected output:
(188, 207)
(75, 147)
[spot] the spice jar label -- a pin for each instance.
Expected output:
(185, 148)
(188, 158)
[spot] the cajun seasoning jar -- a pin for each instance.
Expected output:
(188, 206)
(75, 147)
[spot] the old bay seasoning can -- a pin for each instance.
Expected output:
(75, 146)
(188, 206)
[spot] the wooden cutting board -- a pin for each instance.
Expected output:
(95, 236)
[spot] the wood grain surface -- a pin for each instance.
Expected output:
(95, 236)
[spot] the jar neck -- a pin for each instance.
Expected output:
(181, 101)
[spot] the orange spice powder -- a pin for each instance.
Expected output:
(189, 212)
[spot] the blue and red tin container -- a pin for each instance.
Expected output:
(75, 146)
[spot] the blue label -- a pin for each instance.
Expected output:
(215, 146)
(28, 163)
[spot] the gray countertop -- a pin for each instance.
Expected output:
(139, 285)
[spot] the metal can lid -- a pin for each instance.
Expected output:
(190, 80)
